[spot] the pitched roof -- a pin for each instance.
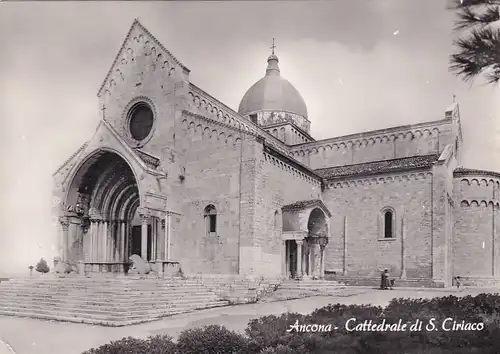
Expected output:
(377, 167)
(460, 171)
(305, 204)
(137, 24)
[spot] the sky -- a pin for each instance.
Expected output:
(359, 64)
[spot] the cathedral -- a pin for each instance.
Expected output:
(188, 184)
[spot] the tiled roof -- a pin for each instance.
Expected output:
(304, 204)
(458, 172)
(377, 167)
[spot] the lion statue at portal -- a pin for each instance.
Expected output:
(139, 265)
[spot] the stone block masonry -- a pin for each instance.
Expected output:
(358, 246)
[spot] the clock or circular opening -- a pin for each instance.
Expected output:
(141, 121)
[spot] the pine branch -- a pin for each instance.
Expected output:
(458, 4)
(477, 53)
(469, 18)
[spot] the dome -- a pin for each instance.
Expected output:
(273, 93)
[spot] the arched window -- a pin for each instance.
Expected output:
(211, 219)
(388, 227)
(276, 220)
(387, 222)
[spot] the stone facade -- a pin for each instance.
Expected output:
(214, 192)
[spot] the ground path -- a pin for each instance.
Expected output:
(30, 336)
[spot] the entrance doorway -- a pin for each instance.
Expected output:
(291, 258)
(136, 244)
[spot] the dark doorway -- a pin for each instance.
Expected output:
(136, 247)
(291, 252)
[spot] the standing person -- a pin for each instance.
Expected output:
(457, 281)
(384, 280)
(387, 280)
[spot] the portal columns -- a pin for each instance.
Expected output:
(299, 257)
(144, 235)
(124, 241)
(322, 262)
(64, 237)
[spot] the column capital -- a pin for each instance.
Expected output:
(64, 222)
(299, 242)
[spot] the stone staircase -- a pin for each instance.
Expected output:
(296, 289)
(239, 290)
(104, 301)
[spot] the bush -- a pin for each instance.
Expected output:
(152, 345)
(280, 349)
(212, 339)
(42, 266)
(271, 331)
(272, 334)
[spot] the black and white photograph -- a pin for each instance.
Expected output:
(250, 177)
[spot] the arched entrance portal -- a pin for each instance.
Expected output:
(100, 207)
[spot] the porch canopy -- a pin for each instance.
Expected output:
(307, 221)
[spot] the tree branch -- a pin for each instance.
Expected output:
(469, 18)
(458, 4)
(477, 53)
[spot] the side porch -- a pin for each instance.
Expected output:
(305, 236)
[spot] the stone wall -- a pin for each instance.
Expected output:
(357, 244)
(405, 141)
(476, 247)
(144, 71)
(212, 159)
(278, 183)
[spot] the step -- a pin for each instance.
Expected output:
(111, 312)
(121, 303)
(137, 285)
(102, 288)
(108, 290)
(111, 289)
(109, 321)
(310, 287)
(115, 304)
(107, 298)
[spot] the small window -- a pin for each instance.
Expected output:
(388, 226)
(211, 219)
(276, 220)
(253, 118)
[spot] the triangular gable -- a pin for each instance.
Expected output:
(129, 151)
(73, 157)
(137, 28)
